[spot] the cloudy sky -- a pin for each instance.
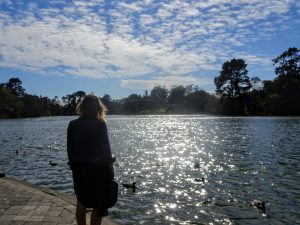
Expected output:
(119, 47)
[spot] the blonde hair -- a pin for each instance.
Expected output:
(92, 106)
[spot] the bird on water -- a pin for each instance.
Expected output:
(200, 179)
(197, 165)
(52, 163)
(259, 204)
(129, 186)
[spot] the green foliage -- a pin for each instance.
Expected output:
(283, 93)
(282, 96)
(237, 94)
(15, 102)
(233, 80)
(107, 101)
(10, 105)
(288, 63)
(71, 101)
(134, 104)
(177, 95)
(35, 106)
(232, 86)
(201, 101)
(15, 86)
(160, 93)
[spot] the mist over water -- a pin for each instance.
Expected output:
(239, 159)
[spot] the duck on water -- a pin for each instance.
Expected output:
(129, 186)
(52, 163)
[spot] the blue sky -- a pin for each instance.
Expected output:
(122, 47)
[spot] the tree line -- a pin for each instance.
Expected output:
(236, 94)
(240, 95)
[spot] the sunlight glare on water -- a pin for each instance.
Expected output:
(188, 169)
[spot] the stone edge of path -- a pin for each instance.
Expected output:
(66, 200)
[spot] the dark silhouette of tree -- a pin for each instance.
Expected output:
(233, 80)
(71, 101)
(56, 107)
(146, 93)
(232, 86)
(177, 95)
(160, 93)
(10, 105)
(237, 94)
(133, 104)
(15, 86)
(283, 93)
(106, 99)
(35, 106)
(14, 102)
(288, 63)
(254, 100)
(108, 102)
(200, 101)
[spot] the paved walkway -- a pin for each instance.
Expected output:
(25, 204)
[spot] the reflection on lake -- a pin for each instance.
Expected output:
(239, 159)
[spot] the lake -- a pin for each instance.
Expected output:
(239, 159)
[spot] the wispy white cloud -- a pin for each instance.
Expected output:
(100, 38)
(167, 81)
(297, 4)
(5, 2)
(133, 7)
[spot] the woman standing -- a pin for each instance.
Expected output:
(90, 159)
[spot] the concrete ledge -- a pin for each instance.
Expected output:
(26, 204)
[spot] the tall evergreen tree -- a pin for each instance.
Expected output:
(233, 80)
(288, 63)
(283, 93)
(15, 86)
(232, 85)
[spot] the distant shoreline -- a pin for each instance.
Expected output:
(177, 114)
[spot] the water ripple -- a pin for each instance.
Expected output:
(188, 169)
